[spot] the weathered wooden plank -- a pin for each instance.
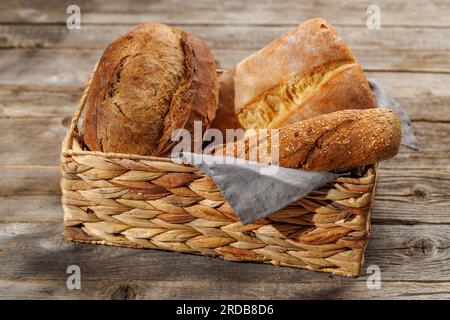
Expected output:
(37, 142)
(29, 180)
(232, 37)
(399, 48)
(54, 81)
(412, 196)
(411, 185)
(400, 198)
(16, 102)
(425, 97)
(409, 197)
(37, 251)
(71, 67)
(65, 68)
(403, 196)
(373, 60)
(32, 208)
(46, 68)
(31, 141)
(228, 12)
(185, 289)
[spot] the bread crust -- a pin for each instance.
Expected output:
(225, 116)
(347, 89)
(149, 75)
(198, 98)
(340, 140)
(310, 46)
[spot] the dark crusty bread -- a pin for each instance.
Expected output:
(336, 141)
(304, 73)
(150, 81)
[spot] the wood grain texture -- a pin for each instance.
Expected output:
(390, 48)
(346, 12)
(230, 37)
(404, 196)
(405, 203)
(36, 251)
(55, 67)
(38, 142)
(53, 70)
(43, 70)
(131, 289)
(424, 96)
(16, 102)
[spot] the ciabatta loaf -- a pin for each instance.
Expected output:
(150, 81)
(304, 73)
(337, 141)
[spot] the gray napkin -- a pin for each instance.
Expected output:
(385, 100)
(256, 190)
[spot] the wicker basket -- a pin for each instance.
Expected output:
(154, 203)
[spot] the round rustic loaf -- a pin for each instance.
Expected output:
(149, 82)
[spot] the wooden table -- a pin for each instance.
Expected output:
(43, 67)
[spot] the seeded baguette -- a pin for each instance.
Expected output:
(337, 141)
(307, 72)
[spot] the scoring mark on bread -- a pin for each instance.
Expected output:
(278, 101)
(112, 90)
(320, 141)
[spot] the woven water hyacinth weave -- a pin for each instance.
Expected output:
(156, 203)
